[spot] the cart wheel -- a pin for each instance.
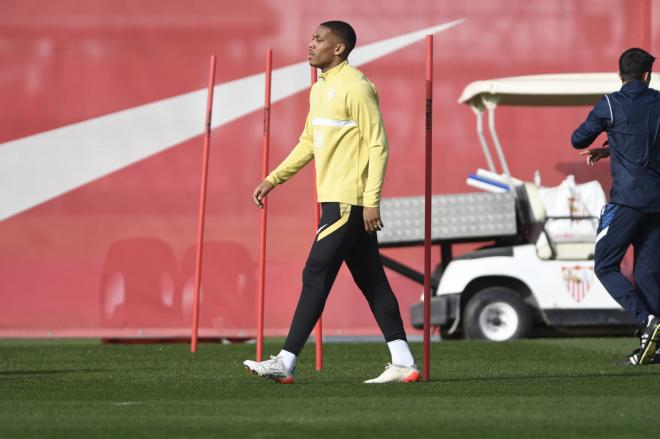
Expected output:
(497, 314)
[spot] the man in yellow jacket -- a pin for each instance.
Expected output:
(345, 136)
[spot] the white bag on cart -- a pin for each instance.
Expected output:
(577, 200)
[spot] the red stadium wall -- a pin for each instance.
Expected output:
(114, 256)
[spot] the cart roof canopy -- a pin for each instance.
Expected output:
(562, 89)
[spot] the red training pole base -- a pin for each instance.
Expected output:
(202, 206)
(427, 207)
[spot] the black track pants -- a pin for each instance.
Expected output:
(341, 237)
(620, 227)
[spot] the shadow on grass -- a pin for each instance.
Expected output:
(19, 373)
(543, 377)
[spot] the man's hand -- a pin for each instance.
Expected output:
(372, 221)
(261, 191)
(595, 154)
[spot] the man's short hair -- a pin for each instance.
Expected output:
(344, 32)
(633, 63)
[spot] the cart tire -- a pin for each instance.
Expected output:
(497, 314)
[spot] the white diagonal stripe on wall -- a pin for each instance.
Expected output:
(40, 167)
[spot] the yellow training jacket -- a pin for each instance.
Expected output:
(345, 136)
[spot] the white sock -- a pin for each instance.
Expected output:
(288, 359)
(400, 352)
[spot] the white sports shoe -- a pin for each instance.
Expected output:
(396, 374)
(273, 369)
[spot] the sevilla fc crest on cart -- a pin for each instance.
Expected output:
(577, 280)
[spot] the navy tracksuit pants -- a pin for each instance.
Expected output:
(621, 226)
(341, 238)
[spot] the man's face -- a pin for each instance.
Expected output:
(324, 48)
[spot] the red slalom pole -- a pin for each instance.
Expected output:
(263, 216)
(427, 207)
(318, 331)
(202, 206)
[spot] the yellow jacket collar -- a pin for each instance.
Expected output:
(333, 71)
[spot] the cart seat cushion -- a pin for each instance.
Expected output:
(566, 251)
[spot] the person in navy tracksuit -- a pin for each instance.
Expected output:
(631, 118)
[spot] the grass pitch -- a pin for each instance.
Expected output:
(559, 388)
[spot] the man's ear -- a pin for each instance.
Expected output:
(340, 48)
(647, 77)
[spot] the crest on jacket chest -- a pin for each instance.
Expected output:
(330, 94)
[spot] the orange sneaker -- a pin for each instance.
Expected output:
(272, 369)
(396, 374)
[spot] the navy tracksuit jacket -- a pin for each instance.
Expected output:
(631, 118)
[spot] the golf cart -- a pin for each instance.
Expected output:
(537, 266)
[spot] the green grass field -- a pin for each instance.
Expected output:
(556, 388)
